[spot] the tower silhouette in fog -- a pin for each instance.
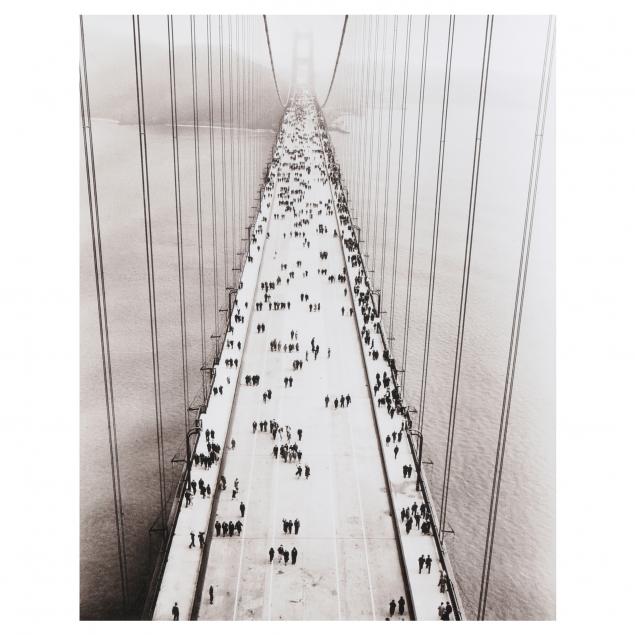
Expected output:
(303, 75)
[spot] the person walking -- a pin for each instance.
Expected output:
(286, 557)
(428, 563)
(242, 509)
(175, 612)
(192, 539)
(391, 607)
(272, 553)
(396, 451)
(211, 594)
(441, 609)
(441, 582)
(201, 539)
(402, 604)
(217, 527)
(422, 561)
(294, 555)
(296, 524)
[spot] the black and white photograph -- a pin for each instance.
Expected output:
(317, 269)
(317, 313)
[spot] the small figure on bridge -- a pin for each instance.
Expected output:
(428, 563)
(272, 553)
(299, 434)
(192, 538)
(307, 471)
(175, 612)
(402, 604)
(201, 539)
(391, 607)
(242, 509)
(211, 594)
(396, 451)
(296, 524)
(326, 401)
(422, 561)
(294, 555)
(217, 527)
(239, 527)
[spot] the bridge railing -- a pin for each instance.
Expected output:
(421, 479)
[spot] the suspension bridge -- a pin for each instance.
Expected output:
(301, 415)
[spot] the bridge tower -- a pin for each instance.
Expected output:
(303, 74)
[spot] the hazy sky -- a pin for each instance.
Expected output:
(323, 30)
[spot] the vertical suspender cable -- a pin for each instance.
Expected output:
(435, 225)
(518, 313)
(221, 51)
(147, 217)
(230, 72)
(357, 186)
(415, 195)
(212, 172)
(466, 271)
(104, 337)
(369, 161)
(199, 215)
(363, 204)
(179, 222)
(388, 152)
(379, 144)
(404, 96)
(239, 134)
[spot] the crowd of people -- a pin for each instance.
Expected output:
(287, 191)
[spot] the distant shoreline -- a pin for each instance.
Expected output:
(181, 125)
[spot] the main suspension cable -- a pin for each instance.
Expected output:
(104, 337)
(337, 60)
(466, 271)
(518, 313)
(273, 70)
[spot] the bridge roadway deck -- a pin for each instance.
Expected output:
(348, 564)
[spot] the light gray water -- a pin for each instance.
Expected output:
(523, 572)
